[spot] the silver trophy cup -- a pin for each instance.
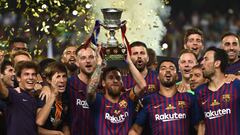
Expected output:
(113, 50)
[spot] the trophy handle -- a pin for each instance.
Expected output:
(123, 23)
(102, 24)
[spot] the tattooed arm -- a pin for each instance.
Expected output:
(95, 78)
(92, 86)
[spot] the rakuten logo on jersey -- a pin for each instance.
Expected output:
(82, 103)
(170, 117)
(114, 119)
(216, 114)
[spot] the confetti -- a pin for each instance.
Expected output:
(73, 20)
(42, 20)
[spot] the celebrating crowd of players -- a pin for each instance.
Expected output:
(82, 95)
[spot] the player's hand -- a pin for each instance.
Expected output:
(58, 133)
(51, 99)
(128, 58)
(182, 88)
(229, 78)
(45, 93)
(18, 90)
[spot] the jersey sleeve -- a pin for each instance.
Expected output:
(198, 102)
(195, 112)
(12, 95)
(2, 105)
(95, 105)
(66, 98)
(237, 85)
(142, 115)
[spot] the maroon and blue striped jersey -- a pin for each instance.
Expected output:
(220, 109)
(151, 80)
(233, 68)
(112, 118)
(168, 116)
(81, 120)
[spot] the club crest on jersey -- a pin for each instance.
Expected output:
(123, 104)
(181, 104)
(214, 103)
(226, 98)
(128, 89)
(170, 107)
(151, 88)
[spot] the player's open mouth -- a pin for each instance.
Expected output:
(61, 87)
(187, 71)
(88, 66)
(30, 82)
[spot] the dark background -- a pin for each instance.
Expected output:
(189, 6)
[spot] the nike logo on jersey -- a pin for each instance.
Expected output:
(204, 102)
(156, 106)
(108, 106)
(24, 100)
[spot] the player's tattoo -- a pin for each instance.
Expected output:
(92, 86)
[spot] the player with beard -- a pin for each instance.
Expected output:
(69, 59)
(76, 91)
(140, 58)
(7, 73)
(231, 44)
(167, 111)
(218, 101)
(113, 110)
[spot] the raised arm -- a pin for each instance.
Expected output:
(3, 90)
(95, 78)
(140, 81)
(43, 113)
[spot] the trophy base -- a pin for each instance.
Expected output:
(114, 53)
(121, 64)
(114, 57)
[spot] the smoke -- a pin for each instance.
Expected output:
(143, 20)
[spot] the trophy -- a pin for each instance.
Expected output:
(113, 50)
